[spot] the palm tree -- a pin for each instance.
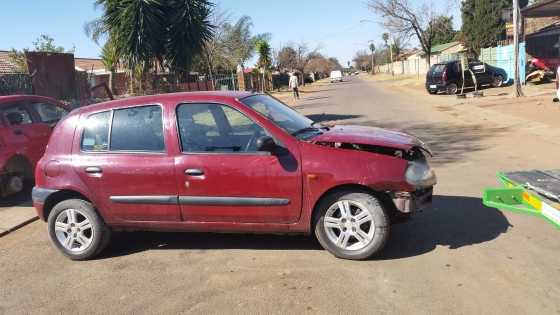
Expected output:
(153, 34)
(110, 59)
(263, 49)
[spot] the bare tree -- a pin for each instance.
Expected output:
(403, 19)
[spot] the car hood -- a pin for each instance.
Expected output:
(370, 136)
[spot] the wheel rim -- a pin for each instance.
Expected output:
(73, 230)
(349, 225)
(452, 89)
(498, 81)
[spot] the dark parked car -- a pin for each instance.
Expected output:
(26, 122)
(229, 162)
(447, 77)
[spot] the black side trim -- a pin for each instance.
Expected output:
(155, 200)
(39, 195)
(232, 201)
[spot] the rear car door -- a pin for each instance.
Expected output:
(223, 178)
(122, 156)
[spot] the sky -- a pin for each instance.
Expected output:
(337, 28)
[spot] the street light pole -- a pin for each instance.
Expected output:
(516, 13)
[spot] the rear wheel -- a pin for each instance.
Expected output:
(432, 92)
(77, 230)
(451, 89)
(352, 225)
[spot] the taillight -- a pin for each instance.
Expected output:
(444, 75)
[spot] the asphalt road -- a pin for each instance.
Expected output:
(456, 258)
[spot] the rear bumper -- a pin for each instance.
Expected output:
(408, 202)
(435, 87)
(39, 196)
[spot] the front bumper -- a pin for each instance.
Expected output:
(408, 202)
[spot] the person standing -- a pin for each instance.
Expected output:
(293, 84)
(557, 98)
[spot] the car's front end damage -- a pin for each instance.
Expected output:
(417, 178)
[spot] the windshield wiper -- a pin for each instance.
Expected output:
(304, 130)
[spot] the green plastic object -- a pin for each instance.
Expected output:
(516, 198)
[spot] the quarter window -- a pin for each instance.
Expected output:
(96, 132)
(137, 129)
(216, 128)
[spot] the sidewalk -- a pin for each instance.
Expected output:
(15, 212)
(534, 113)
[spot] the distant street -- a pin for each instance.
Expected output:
(456, 258)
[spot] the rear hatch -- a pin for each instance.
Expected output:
(435, 74)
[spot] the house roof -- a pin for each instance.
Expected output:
(441, 47)
(88, 64)
(6, 63)
(547, 8)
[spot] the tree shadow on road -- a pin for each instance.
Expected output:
(448, 142)
(452, 221)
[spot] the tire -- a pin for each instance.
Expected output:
(354, 248)
(498, 81)
(432, 92)
(451, 89)
(89, 233)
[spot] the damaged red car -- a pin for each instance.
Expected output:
(225, 162)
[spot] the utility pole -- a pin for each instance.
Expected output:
(391, 54)
(516, 19)
(372, 49)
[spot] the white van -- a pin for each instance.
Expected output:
(336, 76)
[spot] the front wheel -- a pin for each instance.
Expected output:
(352, 225)
(498, 81)
(77, 230)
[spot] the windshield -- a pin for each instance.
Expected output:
(282, 115)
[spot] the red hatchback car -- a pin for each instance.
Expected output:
(26, 122)
(224, 162)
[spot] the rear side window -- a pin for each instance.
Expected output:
(137, 129)
(438, 68)
(49, 113)
(96, 132)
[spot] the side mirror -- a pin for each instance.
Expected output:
(266, 143)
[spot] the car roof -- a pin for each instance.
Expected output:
(17, 98)
(202, 96)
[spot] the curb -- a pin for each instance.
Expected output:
(22, 224)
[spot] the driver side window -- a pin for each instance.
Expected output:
(216, 128)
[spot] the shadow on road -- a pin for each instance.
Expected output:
(452, 221)
(448, 142)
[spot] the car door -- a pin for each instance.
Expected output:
(25, 133)
(223, 178)
(122, 157)
(45, 116)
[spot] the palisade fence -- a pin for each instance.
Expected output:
(15, 83)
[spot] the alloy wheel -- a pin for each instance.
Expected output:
(349, 225)
(73, 230)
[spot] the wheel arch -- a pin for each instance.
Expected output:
(383, 197)
(60, 196)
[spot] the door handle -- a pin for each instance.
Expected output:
(94, 170)
(194, 172)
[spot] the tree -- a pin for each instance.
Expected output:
(154, 33)
(482, 23)
(110, 59)
(214, 49)
(443, 30)
(239, 42)
(287, 58)
(335, 64)
(263, 49)
(362, 60)
(406, 20)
